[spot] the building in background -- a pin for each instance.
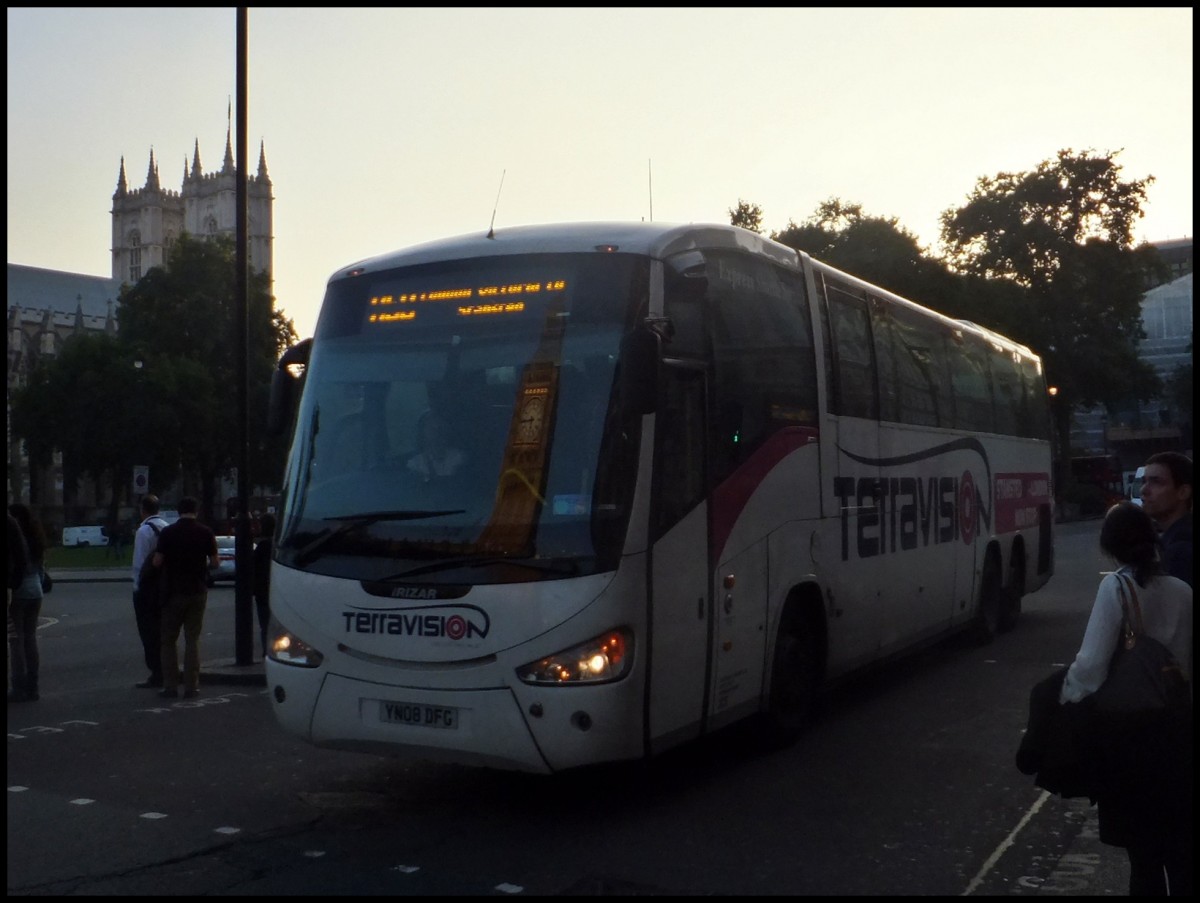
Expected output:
(1134, 431)
(146, 222)
(46, 307)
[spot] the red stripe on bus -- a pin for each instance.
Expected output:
(731, 496)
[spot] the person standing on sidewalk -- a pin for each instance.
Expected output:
(24, 610)
(1144, 764)
(147, 603)
(187, 549)
(1167, 498)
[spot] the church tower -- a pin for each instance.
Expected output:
(147, 221)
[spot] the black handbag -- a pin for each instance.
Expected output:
(1143, 677)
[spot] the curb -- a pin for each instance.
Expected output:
(229, 672)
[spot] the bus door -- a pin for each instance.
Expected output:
(680, 607)
(852, 553)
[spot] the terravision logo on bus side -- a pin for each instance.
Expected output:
(451, 622)
(895, 514)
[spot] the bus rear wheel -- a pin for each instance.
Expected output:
(991, 603)
(795, 682)
(1010, 611)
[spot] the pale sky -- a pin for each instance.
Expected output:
(386, 128)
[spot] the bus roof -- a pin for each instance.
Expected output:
(656, 240)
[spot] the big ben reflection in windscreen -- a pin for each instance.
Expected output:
(521, 487)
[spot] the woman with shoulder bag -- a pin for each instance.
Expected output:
(25, 608)
(1144, 766)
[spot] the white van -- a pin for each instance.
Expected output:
(84, 536)
(1135, 486)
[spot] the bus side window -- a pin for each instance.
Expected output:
(680, 480)
(887, 354)
(854, 358)
(1009, 393)
(971, 378)
(764, 363)
(1035, 412)
(922, 379)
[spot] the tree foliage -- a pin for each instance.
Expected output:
(1063, 232)
(746, 215)
(182, 320)
(164, 391)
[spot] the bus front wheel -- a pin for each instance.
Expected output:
(795, 682)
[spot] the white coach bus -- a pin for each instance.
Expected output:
(579, 493)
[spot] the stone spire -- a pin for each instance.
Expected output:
(228, 166)
(196, 161)
(262, 164)
(122, 185)
(152, 174)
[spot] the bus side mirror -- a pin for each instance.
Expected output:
(638, 374)
(285, 386)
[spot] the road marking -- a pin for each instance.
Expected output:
(153, 815)
(509, 888)
(406, 869)
(82, 802)
(17, 788)
(1008, 842)
(227, 830)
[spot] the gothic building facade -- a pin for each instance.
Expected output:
(147, 221)
(46, 307)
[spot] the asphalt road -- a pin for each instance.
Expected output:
(907, 786)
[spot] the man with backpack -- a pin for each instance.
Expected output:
(187, 550)
(147, 589)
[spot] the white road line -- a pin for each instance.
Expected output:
(1008, 842)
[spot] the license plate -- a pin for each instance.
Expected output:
(419, 714)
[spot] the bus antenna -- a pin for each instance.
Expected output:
(492, 227)
(650, 183)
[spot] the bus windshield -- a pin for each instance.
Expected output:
(458, 422)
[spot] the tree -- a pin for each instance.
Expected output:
(1063, 233)
(746, 215)
(181, 320)
(79, 403)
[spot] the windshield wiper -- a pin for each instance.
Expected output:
(547, 565)
(357, 521)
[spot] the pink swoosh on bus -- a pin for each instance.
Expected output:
(731, 496)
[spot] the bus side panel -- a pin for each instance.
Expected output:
(774, 487)
(923, 559)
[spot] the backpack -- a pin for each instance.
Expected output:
(150, 577)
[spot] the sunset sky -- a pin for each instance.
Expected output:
(390, 127)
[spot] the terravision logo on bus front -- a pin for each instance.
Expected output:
(452, 622)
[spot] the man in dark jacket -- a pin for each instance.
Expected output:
(186, 550)
(1167, 498)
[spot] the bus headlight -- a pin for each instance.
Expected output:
(289, 649)
(606, 658)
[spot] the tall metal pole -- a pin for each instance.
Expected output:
(243, 587)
